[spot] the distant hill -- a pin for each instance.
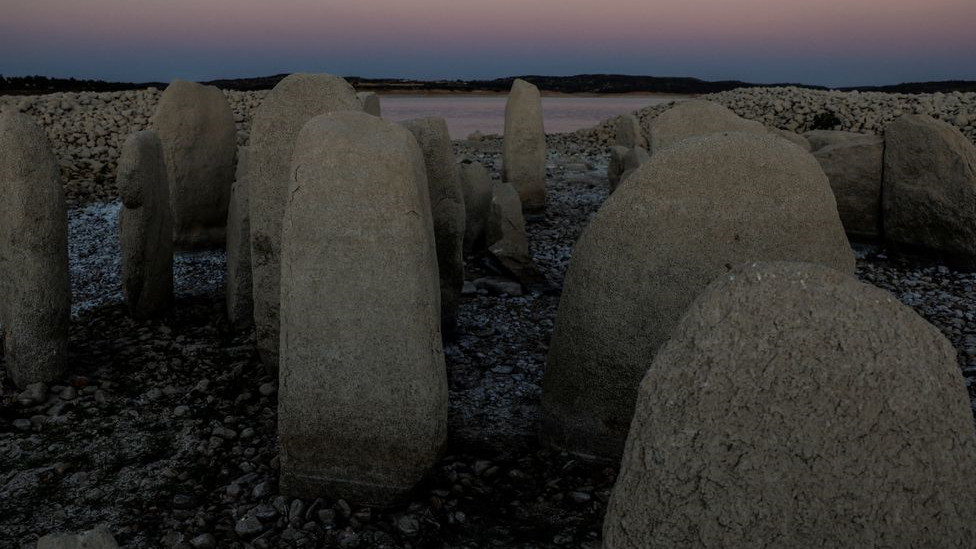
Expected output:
(583, 83)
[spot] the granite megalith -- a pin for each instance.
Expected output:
(363, 411)
(628, 132)
(688, 215)
(370, 102)
(696, 117)
(524, 146)
(447, 207)
(293, 102)
(929, 189)
(196, 126)
(795, 406)
(34, 283)
(854, 169)
(145, 226)
(240, 306)
(507, 239)
(476, 185)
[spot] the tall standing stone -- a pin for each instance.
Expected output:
(145, 226)
(524, 146)
(476, 185)
(797, 407)
(240, 306)
(34, 284)
(929, 189)
(628, 132)
(293, 102)
(370, 102)
(363, 396)
(854, 169)
(692, 212)
(447, 206)
(196, 126)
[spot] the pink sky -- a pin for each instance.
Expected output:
(825, 41)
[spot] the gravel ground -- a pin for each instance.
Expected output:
(165, 430)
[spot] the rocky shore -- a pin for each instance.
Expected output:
(166, 431)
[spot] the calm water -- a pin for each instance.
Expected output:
(465, 114)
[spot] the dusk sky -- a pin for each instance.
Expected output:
(827, 42)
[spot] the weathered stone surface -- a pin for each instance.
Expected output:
(696, 209)
(628, 132)
(293, 102)
(507, 239)
(693, 118)
(99, 538)
(929, 196)
(819, 139)
(792, 137)
(145, 226)
(370, 102)
(34, 283)
(447, 207)
(476, 186)
(853, 168)
(196, 126)
(797, 407)
(632, 160)
(363, 410)
(240, 307)
(524, 146)
(615, 168)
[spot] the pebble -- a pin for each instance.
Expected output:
(248, 527)
(204, 541)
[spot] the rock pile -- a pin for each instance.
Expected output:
(145, 226)
(698, 208)
(35, 291)
(725, 414)
(363, 411)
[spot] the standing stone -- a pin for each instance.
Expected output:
(370, 102)
(447, 206)
(507, 239)
(293, 102)
(145, 226)
(34, 283)
(615, 168)
(476, 186)
(524, 146)
(818, 139)
(363, 396)
(196, 125)
(632, 160)
(930, 187)
(240, 307)
(792, 137)
(797, 407)
(696, 117)
(853, 168)
(628, 132)
(690, 214)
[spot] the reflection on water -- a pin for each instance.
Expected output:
(466, 113)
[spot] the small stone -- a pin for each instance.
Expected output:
(69, 393)
(22, 424)
(296, 511)
(248, 527)
(265, 512)
(408, 525)
(181, 411)
(264, 489)
(580, 497)
(204, 541)
(267, 389)
(184, 501)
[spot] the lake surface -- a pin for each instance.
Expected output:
(467, 113)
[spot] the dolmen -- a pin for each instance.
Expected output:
(196, 126)
(447, 207)
(145, 226)
(524, 146)
(293, 102)
(35, 290)
(794, 406)
(696, 209)
(362, 411)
